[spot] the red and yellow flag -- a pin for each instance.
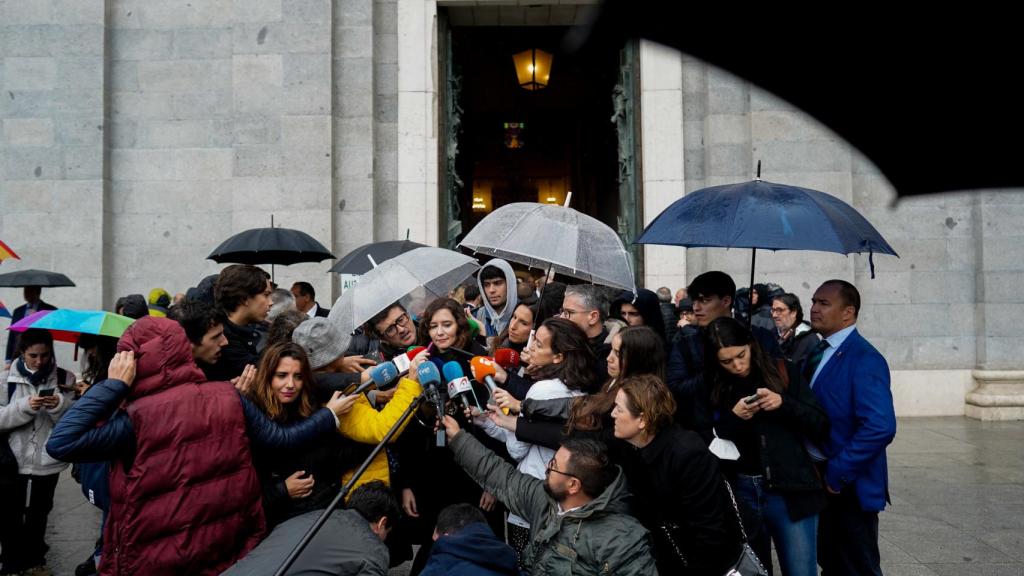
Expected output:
(6, 252)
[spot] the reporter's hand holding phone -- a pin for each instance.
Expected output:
(745, 408)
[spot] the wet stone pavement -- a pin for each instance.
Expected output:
(957, 503)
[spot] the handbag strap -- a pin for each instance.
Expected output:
(736, 508)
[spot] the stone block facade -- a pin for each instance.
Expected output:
(135, 135)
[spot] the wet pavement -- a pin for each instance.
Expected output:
(957, 490)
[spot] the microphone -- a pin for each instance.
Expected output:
(507, 358)
(386, 373)
(430, 378)
(458, 385)
(381, 376)
(402, 361)
(483, 371)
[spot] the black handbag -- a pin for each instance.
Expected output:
(748, 564)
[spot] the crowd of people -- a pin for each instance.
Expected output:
(594, 432)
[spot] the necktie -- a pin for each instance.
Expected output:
(814, 359)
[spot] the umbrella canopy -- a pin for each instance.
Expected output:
(761, 214)
(358, 260)
(4, 312)
(863, 76)
(413, 278)
(34, 278)
(542, 235)
(67, 324)
(270, 246)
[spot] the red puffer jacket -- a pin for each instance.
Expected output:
(189, 503)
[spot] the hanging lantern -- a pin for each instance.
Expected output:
(533, 67)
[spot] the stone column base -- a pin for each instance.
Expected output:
(999, 395)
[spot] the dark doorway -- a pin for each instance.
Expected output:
(518, 145)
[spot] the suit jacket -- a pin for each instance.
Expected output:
(853, 388)
(321, 312)
(12, 337)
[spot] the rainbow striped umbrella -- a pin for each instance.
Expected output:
(67, 325)
(4, 312)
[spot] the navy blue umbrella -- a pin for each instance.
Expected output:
(765, 215)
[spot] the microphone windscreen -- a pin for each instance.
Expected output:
(482, 367)
(452, 371)
(437, 362)
(428, 374)
(507, 358)
(414, 351)
(383, 373)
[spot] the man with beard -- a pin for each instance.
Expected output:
(577, 514)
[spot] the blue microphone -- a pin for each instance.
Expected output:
(458, 385)
(384, 374)
(430, 379)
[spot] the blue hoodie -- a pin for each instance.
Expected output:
(473, 551)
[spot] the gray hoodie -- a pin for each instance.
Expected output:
(493, 322)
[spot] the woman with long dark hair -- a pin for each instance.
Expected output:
(635, 350)
(766, 409)
(36, 395)
(560, 365)
(517, 334)
(428, 479)
(293, 482)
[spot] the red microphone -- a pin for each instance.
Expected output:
(403, 361)
(507, 358)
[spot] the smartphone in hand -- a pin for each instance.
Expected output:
(751, 399)
(47, 392)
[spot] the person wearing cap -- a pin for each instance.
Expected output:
(132, 306)
(325, 344)
(159, 302)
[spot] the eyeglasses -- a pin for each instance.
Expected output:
(780, 310)
(402, 322)
(551, 468)
(568, 312)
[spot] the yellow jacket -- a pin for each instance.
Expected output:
(364, 424)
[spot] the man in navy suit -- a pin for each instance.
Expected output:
(33, 303)
(851, 381)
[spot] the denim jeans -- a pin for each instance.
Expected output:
(795, 541)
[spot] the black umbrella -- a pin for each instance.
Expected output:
(270, 246)
(929, 96)
(358, 260)
(34, 278)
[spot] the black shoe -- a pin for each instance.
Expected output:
(87, 568)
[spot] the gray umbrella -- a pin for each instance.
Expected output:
(34, 278)
(413, 279)
(543, 235)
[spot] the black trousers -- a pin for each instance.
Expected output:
(848, 538)
(23, 528)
